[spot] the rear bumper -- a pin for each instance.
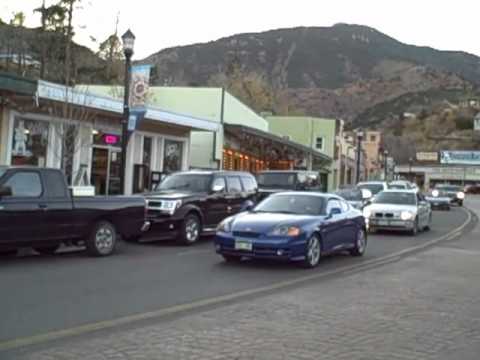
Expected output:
(279, 249)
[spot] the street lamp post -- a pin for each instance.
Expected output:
(385, 164)
(128, 43)
(359, 154)
(410, 161)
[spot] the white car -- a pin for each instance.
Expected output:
(398, 210)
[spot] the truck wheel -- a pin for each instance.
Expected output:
(191, 229)
(102, 240)
(47, 250)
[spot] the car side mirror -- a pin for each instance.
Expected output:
(5, 191)
(218, 188)
(335, 211)
(248, 206)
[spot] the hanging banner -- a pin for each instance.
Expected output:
(139, 85)
(460, 157)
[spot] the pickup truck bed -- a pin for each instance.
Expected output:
(37, 210)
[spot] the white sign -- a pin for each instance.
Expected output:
(427, 156)
(476, 122)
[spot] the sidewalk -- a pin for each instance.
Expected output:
(424, 307)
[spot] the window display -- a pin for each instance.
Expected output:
(173, 156)
(30, 142)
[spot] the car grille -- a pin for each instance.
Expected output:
(246, 234)
(384, 215)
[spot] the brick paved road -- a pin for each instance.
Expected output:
(423, 307)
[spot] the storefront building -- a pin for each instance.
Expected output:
(244, 140)
(45, 124)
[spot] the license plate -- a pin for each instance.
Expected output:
(382, 222)
(243, 245)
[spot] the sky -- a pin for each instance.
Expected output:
(158, 24)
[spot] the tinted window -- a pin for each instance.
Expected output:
(219, 181)
(397, 198)
(277, 180)
(2, 171)
(249, 184)
(186, 182)
(350, 194)
(55, 184)
(448, 187)
(25, 184)
(293, 204)
(234, 185)
(397, 186)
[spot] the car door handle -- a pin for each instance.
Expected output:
(229, 208)
(43, 206)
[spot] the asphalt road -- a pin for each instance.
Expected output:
(40, 294)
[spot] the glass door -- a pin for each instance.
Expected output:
(106, 163)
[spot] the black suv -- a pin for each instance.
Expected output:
(274, 181)
(188, 204)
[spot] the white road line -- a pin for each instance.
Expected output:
(101, 325)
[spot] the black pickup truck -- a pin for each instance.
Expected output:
(37, 210)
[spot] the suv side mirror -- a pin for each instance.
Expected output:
(5, 191)
(366, 194)
(218, 188)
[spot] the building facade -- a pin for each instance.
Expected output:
(45, 124)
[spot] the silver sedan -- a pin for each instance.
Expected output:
(398, 210)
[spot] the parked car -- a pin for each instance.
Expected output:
(293, 226)
(357, 198)
(271, 182)
(438, 199)
(186, 205)
(374, 186)
(37, 210)
(454, 192)
(399, 210)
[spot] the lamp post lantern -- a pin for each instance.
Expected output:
(385, 164)
(359, 154)
(128, 40)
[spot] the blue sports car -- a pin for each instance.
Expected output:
(294, 226)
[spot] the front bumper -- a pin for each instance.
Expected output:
(162, 228)
(286, 249)
(393, 224)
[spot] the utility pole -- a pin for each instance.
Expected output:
(359, 155)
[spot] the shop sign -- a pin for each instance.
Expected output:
(460, 157)
(427, 156)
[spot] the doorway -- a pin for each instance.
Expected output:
(106, 163)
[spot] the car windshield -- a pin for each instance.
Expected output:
(277, 180)
(293, 204)
(350, 194)
(2, 171)
(374, 188)
(447, 188)
(186, 182)
(396, 198)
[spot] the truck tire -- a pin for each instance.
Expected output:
(190, 230)
(102, 240)
(47, 250)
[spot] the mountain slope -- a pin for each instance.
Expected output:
(330, 71)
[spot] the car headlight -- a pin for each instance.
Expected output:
(367, 213)
(225, 226)
(170, 206)
(285, 230)
(406, 215)
(461, 195)
(435, 193)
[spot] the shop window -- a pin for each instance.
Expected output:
(319, 143)
(147, 151)
(30, 142)
(373, 138)
(173, 156)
